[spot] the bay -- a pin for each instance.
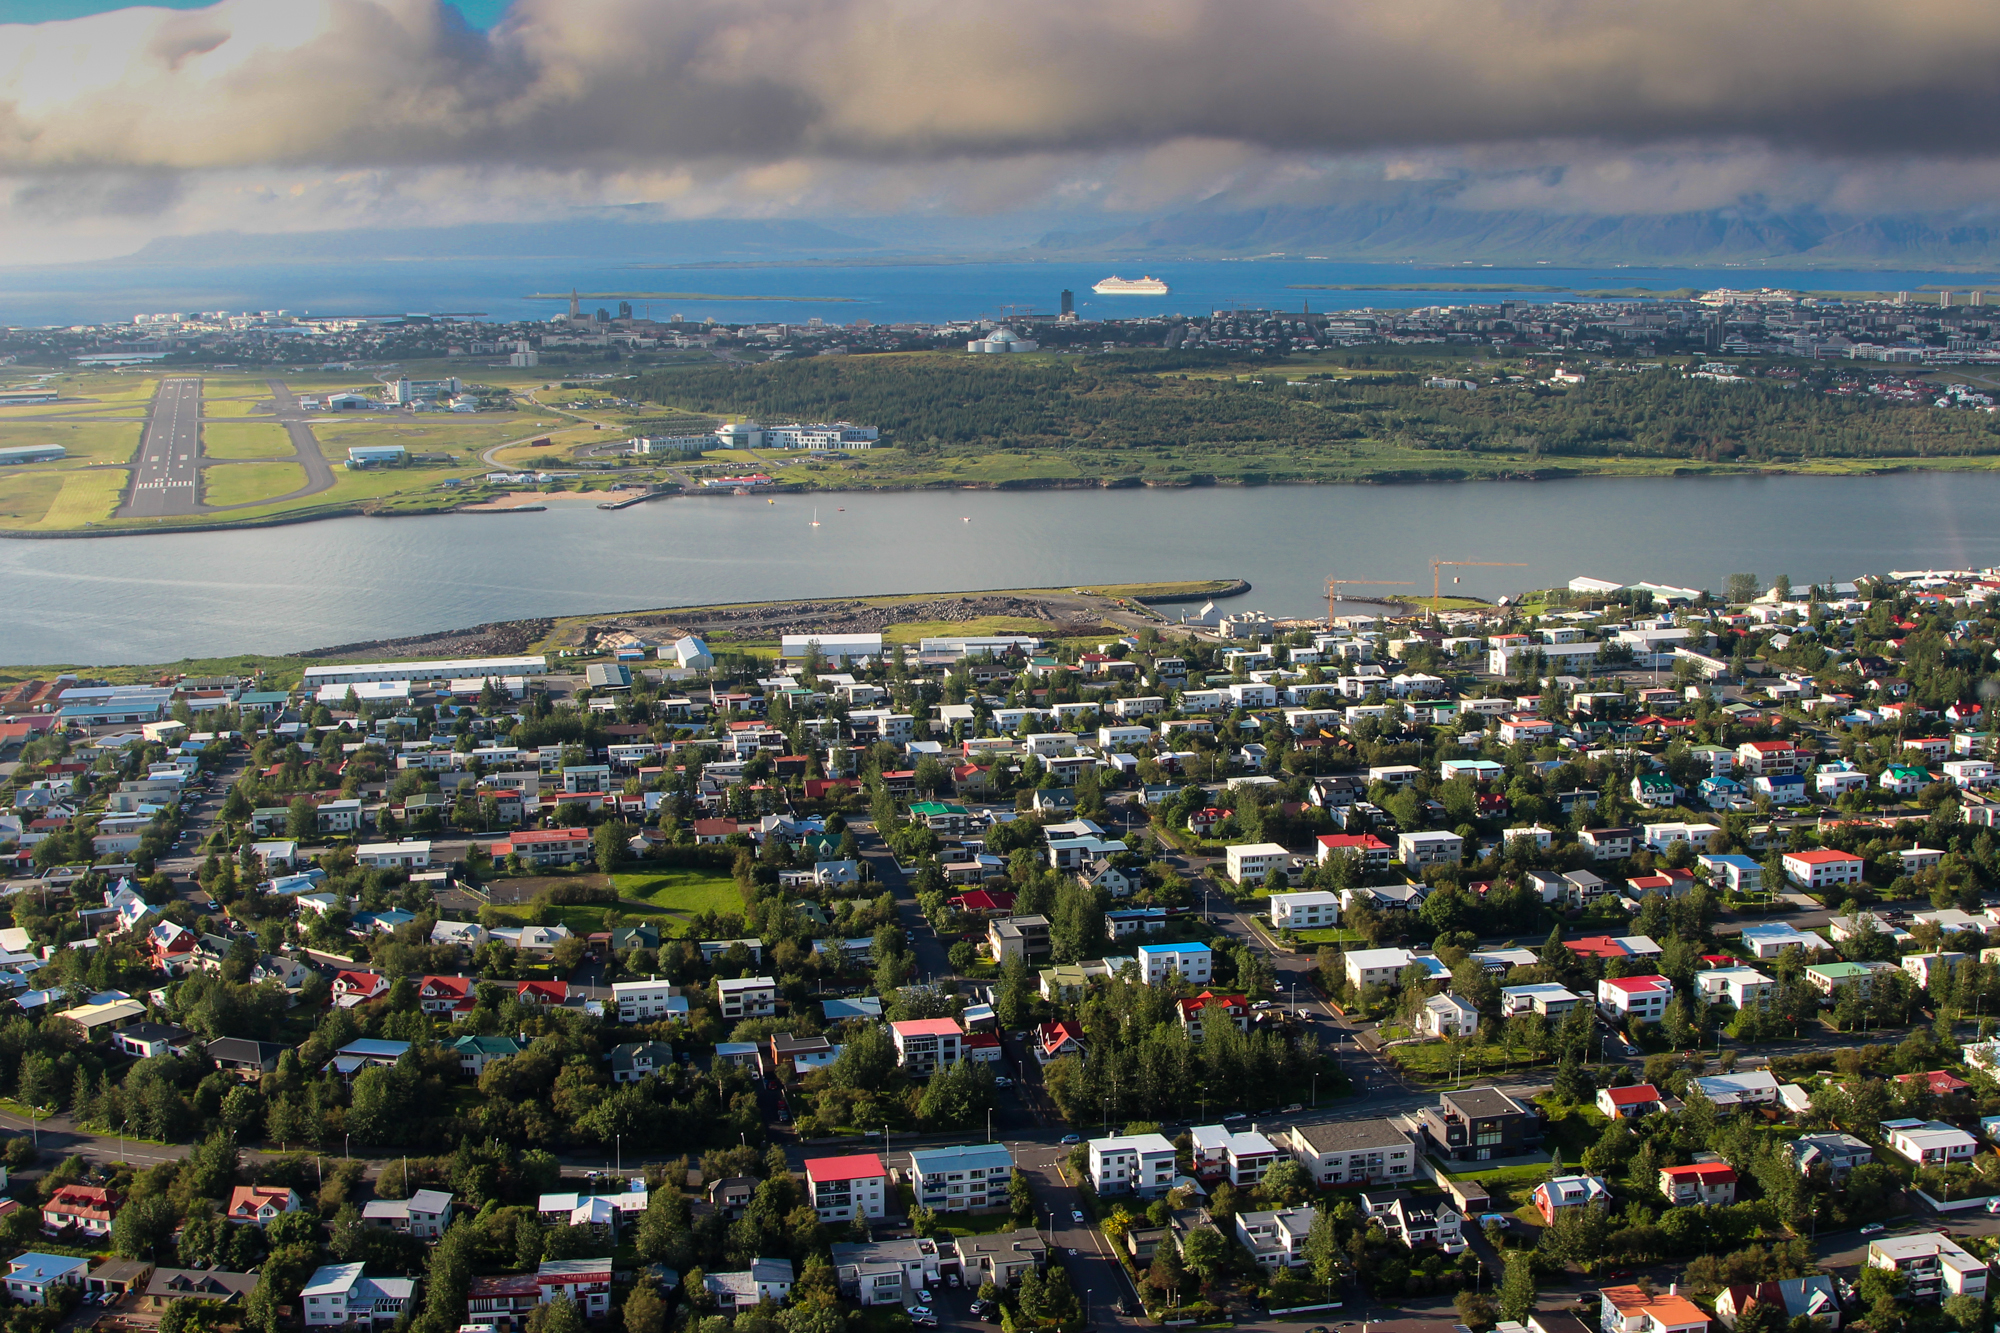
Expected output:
(146, 598)
(842, 292)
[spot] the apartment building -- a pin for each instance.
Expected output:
(955, 1180)
(747, 997)
(1352, 1152)
(844, 1188)
(1192, 963)
(926, 1045)
(1141, 1164)
(1933, 1265)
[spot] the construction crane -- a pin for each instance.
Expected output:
(1437, 565)
(1333, 587)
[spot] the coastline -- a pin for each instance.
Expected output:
(1857, 468)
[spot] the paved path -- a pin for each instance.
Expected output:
(166, 474)
(305, 452)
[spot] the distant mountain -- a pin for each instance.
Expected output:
(1424, 226)
(665, 242)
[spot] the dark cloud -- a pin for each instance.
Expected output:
(630, 83)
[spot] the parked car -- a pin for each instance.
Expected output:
(1076, 1216)
(1871, 1229)
(1068, 1139)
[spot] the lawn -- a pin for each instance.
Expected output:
(245, 439)
(1490, 1176)
(685, 891)
(911, 632)
(245, 483)
(25, 497)
(86, 441)
(88, 495)
(1328, 935)
(1440, 1060)
(232, 407)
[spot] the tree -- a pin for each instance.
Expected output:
(301, 821)
(1517, 1286)
(1572, 1084)
(610, 843)
(645, 1312)
(1286, 1183)
(142, 1225)
(1323, 1250)
(1166, 1275)
(1206, 1253)
(1761, 1317)
(1021, 1198)
(558, 1316)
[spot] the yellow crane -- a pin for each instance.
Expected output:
(1333, 587)
(1437, 565)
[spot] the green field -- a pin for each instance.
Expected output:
(86, 441)
(243, 483)
(683, 891)
(231, 407)
(87, 496)
(245, 439)
(25, 496)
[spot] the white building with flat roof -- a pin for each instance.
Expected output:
(1309, 909)
(1141, 1164)
(354, 673)
(953, 1180)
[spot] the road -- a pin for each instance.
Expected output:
(166, 475)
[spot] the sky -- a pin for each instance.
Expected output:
(122, 124)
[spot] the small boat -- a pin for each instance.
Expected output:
(966, 519)
(770, 502)
(841, 510)
(815, 518)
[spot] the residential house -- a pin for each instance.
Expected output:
(1633, 1310)
(1478, 1125)
(1352, 1152)
(1634, 999)
(475, 1052)
(1629, 1103)
(1132, 1163)
(1008, 938)
(1547, 999)
(961, 1179)
(1243, 1156)
(425, 1214)
(1416, 1223)
(1307, 910)
(1699, 1182)
(926, 1045)
(587, 1283)
(1933, 1265)
(1836, 1153)
(747, 997)
(1192, 963)
(634, 1060)
(1373, 854)
(1822, 868)
(1000, 1258)
(1448, 1016)
(1552, 1196)
(88, 1209)
(344, 1294)
(32, 1276)
(648, 1001)
(1251, 863)
(1277, 1238)
(1929, 1142)
(1812, 1298)
(843, 1188)
(258, 1204)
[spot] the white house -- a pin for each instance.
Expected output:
(1375, 967)
(647, 1001)
(1251, 863)
(1741, 986)
(1769, 939)
(1140, 1164)
(1635, 999)
(1192, 963)
(1751, 1087)
(1307, 910)
(1418, 850)
(1929, 1142)
(1448, 1016)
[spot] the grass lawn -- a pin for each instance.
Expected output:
(243, 483)
(913, 631)
(1509, 1176)
(1440, 1060)
(25, 496)
(245, 439)
(1328, 935)
(232, 407)
(88, 495)
(684, 891)
(978, 1224)
(85, 441)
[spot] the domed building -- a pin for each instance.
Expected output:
(1002, 339)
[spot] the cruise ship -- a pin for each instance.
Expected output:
(1117, 286)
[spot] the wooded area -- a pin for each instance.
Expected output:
(1148, 414)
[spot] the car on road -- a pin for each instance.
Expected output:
(1071, 1138)
(1871, 1229)
(1070, 1253)
(1002, 1081)
(1076, 1216)
(1234, 1116)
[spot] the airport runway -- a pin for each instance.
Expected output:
(166, 479)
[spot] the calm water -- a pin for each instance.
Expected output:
(882, 293)
(151, 599)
